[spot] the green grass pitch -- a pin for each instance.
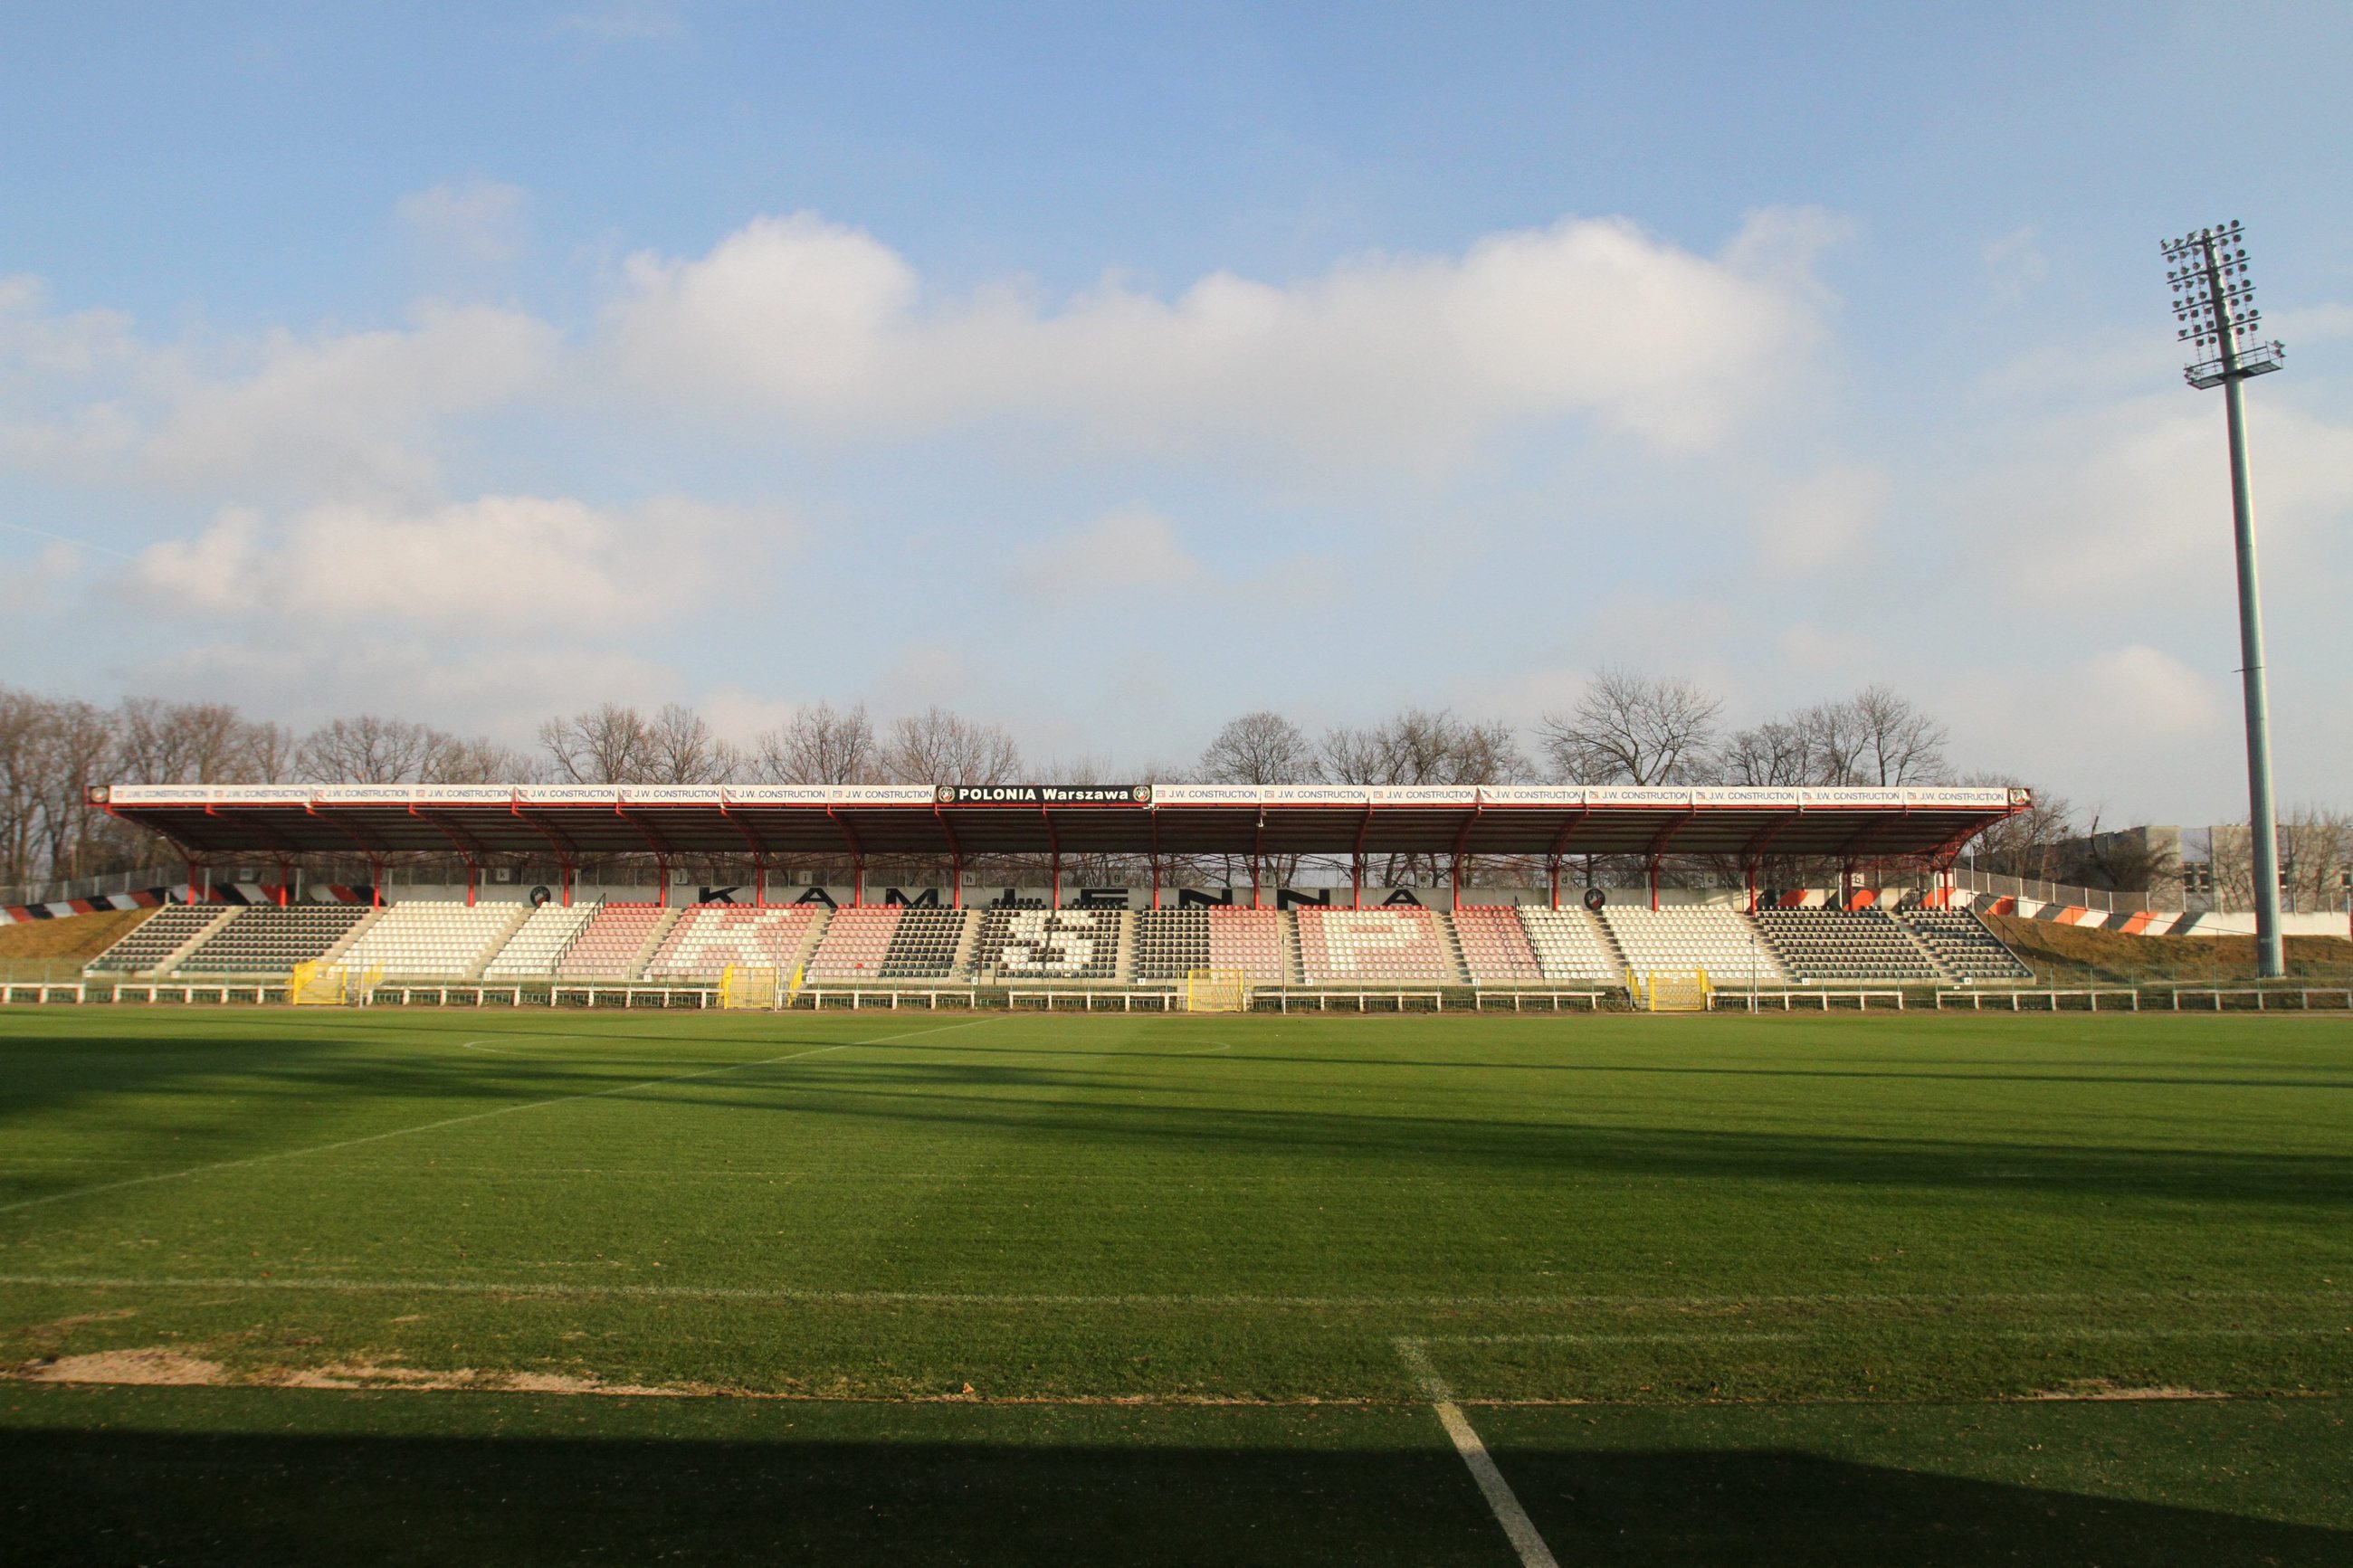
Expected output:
(282, 1286)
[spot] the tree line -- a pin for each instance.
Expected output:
(1624, 727)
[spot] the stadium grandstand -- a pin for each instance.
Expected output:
(504, 925)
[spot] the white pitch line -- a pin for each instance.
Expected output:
(458, 1120)
(1684, 1339)
(1517, 1526)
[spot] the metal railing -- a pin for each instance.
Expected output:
(1992, 885)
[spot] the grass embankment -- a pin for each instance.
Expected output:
(1960, 1289)
(2065, 952)
(73, 940)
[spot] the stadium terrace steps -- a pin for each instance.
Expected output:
(431, 940)
(1571, 944)
(515, 923)
(539, 944)
(264, 938)
(1963, 946)
(153, 945)
(1692, 936)
(967, 944)
(1864, 945)
(664, 919)
(1122, 966)
(617, 938)
(1382, 946)
(1494, 946)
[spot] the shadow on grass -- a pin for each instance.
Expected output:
(111, 1496)
(299, 1091)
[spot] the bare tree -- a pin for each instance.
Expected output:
(187, 742)
(22, 718)
(1836, 742)
(478, 761)
(1261, 748)
(1779, 751)
(1420, 746)
(819, 745)
(607, 744)
(2316, 859)
(683, 749)
(2032, 845)
(937, 746)
(1899, 744)
(1629, 727)
(76, 741)
(368, 750)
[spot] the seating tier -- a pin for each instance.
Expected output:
(1380, 946)
(1247, 939)
(710, 937)
(1699, 936)
(1570, 944)
(154, 939)
(1171, 943)
(1049, 944)
(608, 947)
(1495, 947)
(924, 946)
(1845, 944)
(426, 939)
(856, 943)
(266, 939)
(1963, 946)
(540, 943)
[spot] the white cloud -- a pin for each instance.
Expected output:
(2129, 502)
(469, 226)
(2015, 263)
(498, 566)
(1409, 362)
(1819, 521)
(1123, 550)
(332, 415)
(2143, 691)
(360, 671)
(348, 413)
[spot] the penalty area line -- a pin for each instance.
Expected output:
(23, 1203)
(1501, 1500)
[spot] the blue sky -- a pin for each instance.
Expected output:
(1105, 371)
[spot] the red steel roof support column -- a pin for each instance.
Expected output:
(955, 858)
(1462, 836)
(857, 858)
(1054, 838)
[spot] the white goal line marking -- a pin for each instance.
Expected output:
(1517, 1526)
(471, 1116)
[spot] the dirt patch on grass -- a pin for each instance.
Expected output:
(157, 1366)
(2100, 1388)
(465, 1379)
(2083, 951)
(75, 940)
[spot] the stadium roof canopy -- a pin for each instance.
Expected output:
(956, 822)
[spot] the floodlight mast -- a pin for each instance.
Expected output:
(2214, 301)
